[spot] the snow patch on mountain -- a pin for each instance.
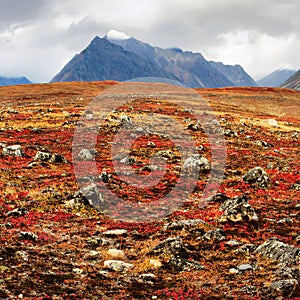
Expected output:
(117, 35)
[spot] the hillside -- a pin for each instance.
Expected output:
(293, 82)
(276, 78)
(242, 243)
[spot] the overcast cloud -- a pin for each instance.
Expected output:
(38, 37)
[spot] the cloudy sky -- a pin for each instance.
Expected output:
(38, 37)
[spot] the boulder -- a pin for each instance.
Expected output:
(238, 210)
(257, 177)
(14, 150)
(276, 250)
(197, 161)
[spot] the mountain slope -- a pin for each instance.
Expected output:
(236, 74)
(103, 60)
(4, 81)
(121, 57)
(293, 82)
(276, 78)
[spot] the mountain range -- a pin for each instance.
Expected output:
(276, 78)
(119, 57)
(4, 81)
(293, 82)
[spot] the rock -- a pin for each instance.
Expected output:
(147, 277)
(285, 272)
(95, 242)
(230, 133)
(154, 264)
(15, 150)
(42, 156)
(17, 212)
(246, 249)
(115, 253)
(194, 126)
(258, 177)
(218, 198)
(276, 250)
(170, 246)
(183, 264)
(118, 265)
(57, 158)
(21, 255)
(115, 232)
(244, 268)
(296, 187)
(91, 194)
(285, 221)
(49, 157)
(249, 289)
(272, 122)
(233, 271)
(168, 154)
(78, 271)
(233, 243)
(86, 154)
(215, 234)
(184, 224)
(28, 236)
(237, 210)
(284, 286)
(197, 161)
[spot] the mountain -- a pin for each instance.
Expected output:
(293, 82)
(118, 56)
(103, 60)
(275, 78)
(235, 74)
(4, 81)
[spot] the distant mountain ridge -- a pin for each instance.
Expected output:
(5, 81)
(293, 82)
(276, 78)
(120, 57)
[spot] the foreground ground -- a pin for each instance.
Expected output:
(54, 245)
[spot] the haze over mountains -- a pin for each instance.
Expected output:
(119, 57)
(4, 81)
(276, 78)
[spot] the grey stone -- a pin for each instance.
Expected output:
(17, 212)
(28, 236)
(184, 224)
(258, 177)
(197, 161)
(170, 246)
(118, 265)
(249, 289)
(115, 232)
(14, 150)
(286, 286)
(183, 264)
(285, 221)
(237, 210)
(244, 267)
(86, 154)
(215, 234)
(276, 250)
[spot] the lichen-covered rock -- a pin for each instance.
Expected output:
(274, 249)
(86, 154)
(197, 161)
(43, 156)
(286, 287)
(238, 210)
(184, 224)
(258, 177)
(118, 265)
(14, 150)
(92, 194)
(170, 246)
(215, 235)
(183, 264)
